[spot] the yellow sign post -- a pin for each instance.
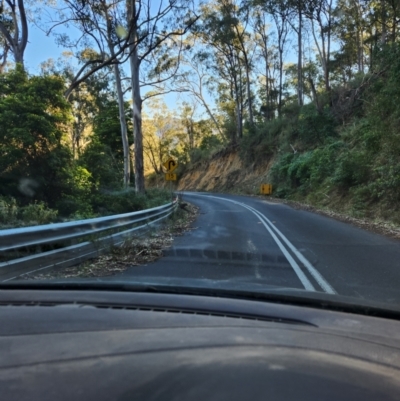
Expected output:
(266, 189)
(170, 165)
(170, 177)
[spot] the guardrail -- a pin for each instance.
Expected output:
(66, 244)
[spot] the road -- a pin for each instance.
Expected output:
(269, 244)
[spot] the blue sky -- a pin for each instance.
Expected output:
(41, 48)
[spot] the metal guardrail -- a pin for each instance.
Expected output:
(75, 241)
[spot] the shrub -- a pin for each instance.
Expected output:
(8, 210)
(315, 127)
(305, 171)
(128, 200)
(352, 169)
(39, 213)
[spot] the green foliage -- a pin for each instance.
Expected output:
(208, 145)
(105, 171)
(352, 169)
(129, 201)
(33, 115)
(315, 127)
(35, 213)
(306, 171)
(38, 213)
(103, 156)
(260, 144)
(8, 210)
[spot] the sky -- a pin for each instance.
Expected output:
(41, 48)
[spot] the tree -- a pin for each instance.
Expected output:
(33, 118)
(298, 7)
(112, 26)
(103, 157)
(195, 80)
(160, 129)
(280, 13)
(14, 28)
(98, 21)
(224, 57)
(148, 30)
(320, 13)
(267, 53)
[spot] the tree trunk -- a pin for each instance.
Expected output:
(121, 106)
(248, 83)
(300, 60)
(280, 82)
(239, 95)
(136, 100)
(124, 127)
(248, 86)
(16, 42)
(384, 30)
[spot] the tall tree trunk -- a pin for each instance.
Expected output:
(280, 82)
(136, 99)
(248, 87)
(15, 41)
(300, 59)
(121, 105)
(360, 39)
(384, 30)
(240, 100)
(124, 127)
(267, 91)
(248, 83)
(328, 51)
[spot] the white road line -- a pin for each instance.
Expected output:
(311, 269)
(302, 277)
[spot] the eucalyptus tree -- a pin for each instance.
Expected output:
(122, 31)
(298, 6)
(240, 20)
(321, 16)
(196, 80)
(222, 54)
(13, 29)
(97, 22)
(267, 57)
(149, 30)
(160, 128)
(281, 15)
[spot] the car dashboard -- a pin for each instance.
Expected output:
(106, 345)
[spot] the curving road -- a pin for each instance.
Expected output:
(266, 244)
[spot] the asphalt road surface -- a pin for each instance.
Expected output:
(267, 244)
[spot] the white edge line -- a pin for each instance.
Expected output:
(302, 277)
(311, 269)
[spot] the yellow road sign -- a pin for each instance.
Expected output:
(266, 189)
(170, 165)
(170, 177)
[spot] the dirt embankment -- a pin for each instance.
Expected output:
(226, 172)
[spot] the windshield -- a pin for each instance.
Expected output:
(229, 145)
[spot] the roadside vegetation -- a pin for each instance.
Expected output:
(347, 158)
(310, 88)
